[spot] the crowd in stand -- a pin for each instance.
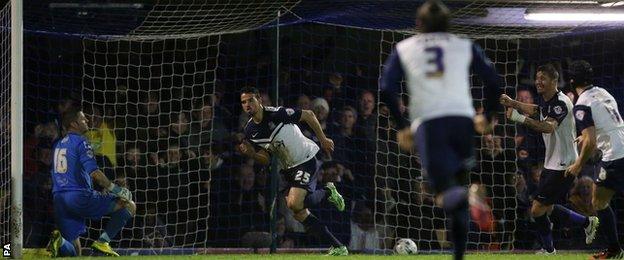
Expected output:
(177, 155)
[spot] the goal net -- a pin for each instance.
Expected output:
(159, 84)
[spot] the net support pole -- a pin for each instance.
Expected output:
(17, 129)
(274, 166)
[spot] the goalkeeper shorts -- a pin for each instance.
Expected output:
(72, 208)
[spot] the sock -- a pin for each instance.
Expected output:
(564, 214)
(67, 248)
(314, 198)
(542, 224)
(608, 227)
(314, 227)
(115, 224)
(455, 198)
(459, 220)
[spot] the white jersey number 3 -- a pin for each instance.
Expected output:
(435, 62)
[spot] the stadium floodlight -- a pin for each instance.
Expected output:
(612, 4)
(573, 15)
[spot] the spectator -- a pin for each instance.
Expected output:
(321, 109)
(364, 235)
(303, 102)
(367, 122)
(206, 129)
(529, 143)
(101, 134)
(249, 204)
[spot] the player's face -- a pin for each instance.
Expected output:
(250, 103)
(82, 124)
(544, 83)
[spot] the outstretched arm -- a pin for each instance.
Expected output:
(310, 119)
(529, 109)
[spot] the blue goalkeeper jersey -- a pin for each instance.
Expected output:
(72, 164)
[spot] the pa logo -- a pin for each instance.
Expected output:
(6, 250)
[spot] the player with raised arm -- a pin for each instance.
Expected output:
(74, 170)
(599, 125)
(556, 124)
(436, 65)
(274, 132)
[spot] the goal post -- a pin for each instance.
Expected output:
(16, 122)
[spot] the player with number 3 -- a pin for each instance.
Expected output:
(436, 66)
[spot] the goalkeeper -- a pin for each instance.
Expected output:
(73, 172)
(274, 130)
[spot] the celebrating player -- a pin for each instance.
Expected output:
(600, 125)
(557, 127)
(73, 171)
(274, 132)
(436, 66)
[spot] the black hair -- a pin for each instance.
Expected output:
(69, 117)
(250, 90)
(549, 70)
(581, 73)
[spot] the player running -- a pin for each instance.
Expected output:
(436, 66)
(556, 124)
(274, 131)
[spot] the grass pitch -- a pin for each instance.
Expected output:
(41, 254)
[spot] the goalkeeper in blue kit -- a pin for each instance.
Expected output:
(74, 170)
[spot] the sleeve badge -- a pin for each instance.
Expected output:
(580, 114)
(290, 111)
(558, 110)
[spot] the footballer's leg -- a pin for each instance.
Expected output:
(77, 246)
(539, 212)
(313, 226)
(446, 149)
(98, 205)
(123, 210)
(70, 227)
(552, 186)
(314, 195)
(600, 200)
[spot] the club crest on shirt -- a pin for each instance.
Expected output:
(580, 114)
(271, 126)
(558, 109)
(602, 175)
(89, 149)
(290, 111)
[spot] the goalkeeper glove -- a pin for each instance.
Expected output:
(120, 192)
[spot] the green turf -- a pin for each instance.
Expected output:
(39, 254)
